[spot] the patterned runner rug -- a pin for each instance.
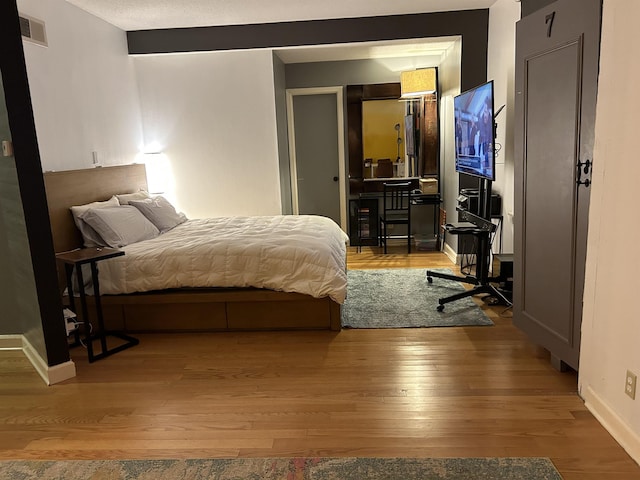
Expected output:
(287, 469)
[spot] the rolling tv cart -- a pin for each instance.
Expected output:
(481, 228)
(475, 154)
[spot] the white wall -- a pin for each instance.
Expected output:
(611, 323)
(82, 87)
(503, 16)
(449, 77)
(213, 115)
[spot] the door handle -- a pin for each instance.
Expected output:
(584, 167)
(335, 179)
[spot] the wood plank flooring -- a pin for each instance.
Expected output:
(439, 392)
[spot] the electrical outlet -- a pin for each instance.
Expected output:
(630, 385)
(70, 321)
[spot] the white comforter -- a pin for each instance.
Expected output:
(291, 253)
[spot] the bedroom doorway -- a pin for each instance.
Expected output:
(316, 152)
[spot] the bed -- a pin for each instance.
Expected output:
(267, 286)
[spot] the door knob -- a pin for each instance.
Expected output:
(586, 182)
(335, 179)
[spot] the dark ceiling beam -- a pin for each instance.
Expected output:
(472, 25)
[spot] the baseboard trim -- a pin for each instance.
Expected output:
(10, 342)
(612, 422)
(61, 372)
(50, 375)
(449, 252)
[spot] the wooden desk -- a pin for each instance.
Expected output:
(366, 205)
(74, 260)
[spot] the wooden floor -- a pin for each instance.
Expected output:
(438, 392)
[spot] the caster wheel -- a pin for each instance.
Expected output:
(429, 279)
(440, 308)
(491, 300)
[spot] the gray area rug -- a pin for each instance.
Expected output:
(402, 298)
(286, 468)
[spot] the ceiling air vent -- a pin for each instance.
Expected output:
(33, 30)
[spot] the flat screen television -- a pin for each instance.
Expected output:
(474, 132)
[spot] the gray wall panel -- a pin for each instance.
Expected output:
(37, 312)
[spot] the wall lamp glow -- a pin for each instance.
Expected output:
(158, 172)
(416, 83)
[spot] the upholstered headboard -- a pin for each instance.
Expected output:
(78, 187)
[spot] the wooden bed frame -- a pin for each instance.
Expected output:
(201, 309)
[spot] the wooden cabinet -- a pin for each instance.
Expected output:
(363, 222)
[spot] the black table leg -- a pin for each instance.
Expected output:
(85, 313)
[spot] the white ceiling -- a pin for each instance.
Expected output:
(430, 50)
(153, 14)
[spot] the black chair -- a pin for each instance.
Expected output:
(396, 210)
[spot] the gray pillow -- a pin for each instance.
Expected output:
(160, 212)
(90, 237)
(125, 198)
(120, 226)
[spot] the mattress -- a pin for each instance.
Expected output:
(290, 253)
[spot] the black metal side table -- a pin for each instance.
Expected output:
(74, 260)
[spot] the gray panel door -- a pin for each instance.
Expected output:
(317, 165)
(557, 51)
